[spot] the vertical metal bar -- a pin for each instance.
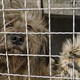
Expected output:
(49, 6)
(7, 60)
(73, 21)
(25, 1)
(73, 35)
(42, 7)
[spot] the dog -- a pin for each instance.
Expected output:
(69, 64)
(19, 23)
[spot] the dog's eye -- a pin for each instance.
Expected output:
(8, 25)
(29, 27)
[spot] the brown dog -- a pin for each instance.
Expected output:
(17, 43)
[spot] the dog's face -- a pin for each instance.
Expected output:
(17, 41)
(18, 21)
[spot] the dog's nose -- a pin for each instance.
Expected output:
(17, 39)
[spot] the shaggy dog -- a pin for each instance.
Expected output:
(15, 21)
(70, 58)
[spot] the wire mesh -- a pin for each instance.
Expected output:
(49, 9)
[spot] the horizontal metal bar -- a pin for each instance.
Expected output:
(29, 9)
(35, 76)
(34, 55)
(39, 32)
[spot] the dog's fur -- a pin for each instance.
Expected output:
(70, 56)
(38, 44)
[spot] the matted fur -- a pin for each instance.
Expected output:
(38, 44)
(70, 55)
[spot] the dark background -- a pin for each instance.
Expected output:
(62, 23)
